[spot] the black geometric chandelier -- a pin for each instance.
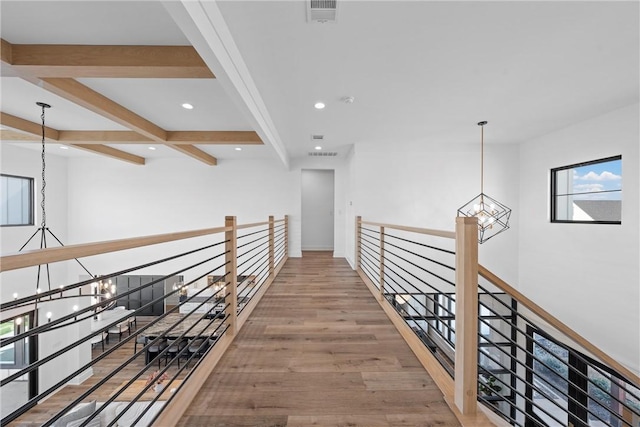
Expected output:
(493, 216)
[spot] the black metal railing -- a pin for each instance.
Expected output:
(534, 379)
(180, 336)
(529, 372)
(417, 280)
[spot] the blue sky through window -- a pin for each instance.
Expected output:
(604, 178)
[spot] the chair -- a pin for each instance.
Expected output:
(99, 339)
(156, 349)
(175, 347)
(119, 329)
(197, 347)
(140, 339)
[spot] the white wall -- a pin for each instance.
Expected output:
(318, 219)
(27, 162)
(423, 185)
(586, 274)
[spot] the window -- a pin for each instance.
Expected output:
(589, 192)
(17, 200)
(15, 355)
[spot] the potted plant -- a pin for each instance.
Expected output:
(487, 386)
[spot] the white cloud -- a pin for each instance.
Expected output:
(604, 176)
(588, 188)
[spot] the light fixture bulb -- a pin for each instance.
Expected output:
(18, 320)
(238, 148)
(113, 289)
(107, 295)
(15, 295)
(49, 314)
(318, 147)
(319, 105)
(152, 148)
(64, 147)
(38, 290)
(75, 308)
(187, 106)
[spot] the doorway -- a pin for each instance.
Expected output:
(317, 209)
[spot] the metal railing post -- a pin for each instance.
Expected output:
(271, 247)
(381, 296)
(358, 241)
(231, 271)
(466, 323)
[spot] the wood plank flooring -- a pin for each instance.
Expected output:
(318, 350)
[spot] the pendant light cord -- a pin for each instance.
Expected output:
(44, 182)
(481, 124)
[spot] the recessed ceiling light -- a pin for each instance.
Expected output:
(64, 147)
(318, 147)
(187, 106)
(319, 105)
(152, 148)
(238, 148)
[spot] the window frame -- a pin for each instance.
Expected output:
(554, 196)
(31, 220)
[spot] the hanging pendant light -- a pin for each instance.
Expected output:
(493, 216)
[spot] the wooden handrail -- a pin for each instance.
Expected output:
(551, 320)
(431, 232)
(255, 224)
(49, 255)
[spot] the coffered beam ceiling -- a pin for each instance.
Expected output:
(33, 130)
(75, 61)
(54, 67)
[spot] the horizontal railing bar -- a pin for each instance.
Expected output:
(419, 267)
(537, 359)
(514, 326)
(435, 248)
(63, 253)
(421, 256)
(431, 232)
(252, 233)
(549, 384)
(557, 324)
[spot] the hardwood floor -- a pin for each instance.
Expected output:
(318, 350)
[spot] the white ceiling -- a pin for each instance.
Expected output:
(420, 71)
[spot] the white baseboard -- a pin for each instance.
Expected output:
(85, 375)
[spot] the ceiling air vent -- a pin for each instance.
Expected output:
(321, 11)
(323, 153)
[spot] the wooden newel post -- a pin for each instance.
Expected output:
(271, 247)
(466, 356)
(381, 296)
(231, 272)
(286, 235)
(358, 235)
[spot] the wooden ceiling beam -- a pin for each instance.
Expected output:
(104, 137)
(105, 150)
(77, 61)
(215, 137)
(12, 135)
(93, 101)
(173, 137)
(196, 153)
(30, 131)
(13, 122)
